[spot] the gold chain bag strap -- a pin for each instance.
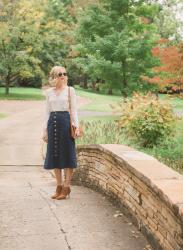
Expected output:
(73, 128)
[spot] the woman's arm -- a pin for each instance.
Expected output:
(75, 120)
(47, 111)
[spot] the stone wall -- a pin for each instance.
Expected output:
(148, 191)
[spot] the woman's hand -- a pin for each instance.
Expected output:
(77, 131)
(45, 136)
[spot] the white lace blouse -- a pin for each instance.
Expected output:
(60, 102)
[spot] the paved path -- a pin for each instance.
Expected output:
(30, 219)
(179, 112)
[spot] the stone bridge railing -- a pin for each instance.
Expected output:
(148, 191)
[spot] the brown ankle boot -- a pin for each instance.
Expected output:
(65, 191)
(57, 192)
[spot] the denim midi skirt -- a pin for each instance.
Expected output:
(61, 149)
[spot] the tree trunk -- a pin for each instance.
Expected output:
(85, 83)
(97, 86)
(124, 73)
(7, 84)
(124, 78)
(124, 93)
(93, 85)
(97, 89)
(110, 92)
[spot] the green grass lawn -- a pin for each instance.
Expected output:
(19, 93)
(175, 101)
(99, 101)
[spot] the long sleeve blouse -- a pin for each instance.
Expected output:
(60, 102)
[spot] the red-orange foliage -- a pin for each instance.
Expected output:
(171, 69)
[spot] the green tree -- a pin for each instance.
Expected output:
(18, 35)
(114, 42)
(34, 35)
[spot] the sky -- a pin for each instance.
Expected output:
(180, 11)
(179, 16)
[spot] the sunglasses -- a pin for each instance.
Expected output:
(62, 74)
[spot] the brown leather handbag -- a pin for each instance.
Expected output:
(72, 127)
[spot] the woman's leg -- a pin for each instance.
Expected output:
(66, 187)
(58, 175)
(64, 173)
(68, 176)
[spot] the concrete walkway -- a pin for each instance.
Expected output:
(30, 219)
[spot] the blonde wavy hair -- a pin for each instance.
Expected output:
(53, 73)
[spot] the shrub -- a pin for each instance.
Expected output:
(98, 132)
(146, 119)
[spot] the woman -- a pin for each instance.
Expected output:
(61, 150)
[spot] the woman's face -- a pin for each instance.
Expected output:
(61, 77)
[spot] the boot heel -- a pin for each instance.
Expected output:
(65, 192)
(57, 192)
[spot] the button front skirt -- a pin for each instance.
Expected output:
(61, 148)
